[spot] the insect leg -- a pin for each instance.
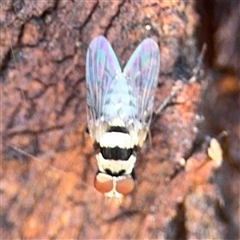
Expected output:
(172, 94)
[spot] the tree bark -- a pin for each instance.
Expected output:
(48, 162)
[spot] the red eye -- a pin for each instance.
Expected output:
(125, 185)
(103, 182)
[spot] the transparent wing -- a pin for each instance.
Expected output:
(142, 71)
(101, 68)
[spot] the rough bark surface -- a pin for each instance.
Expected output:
(48, 162)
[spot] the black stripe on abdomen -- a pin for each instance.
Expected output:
(116, 153)
(118, 129)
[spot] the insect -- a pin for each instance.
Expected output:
(119, 110)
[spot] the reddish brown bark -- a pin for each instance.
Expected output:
(48, 160)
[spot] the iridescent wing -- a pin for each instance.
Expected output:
(142, 71)
(101, 68)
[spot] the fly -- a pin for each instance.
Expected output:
(119, 110)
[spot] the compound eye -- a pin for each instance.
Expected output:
(125, 185)
(103, 182)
